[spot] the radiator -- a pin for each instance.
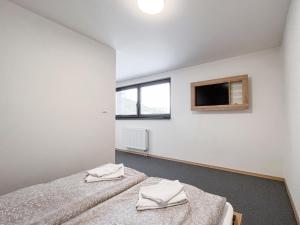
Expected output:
(136, 138)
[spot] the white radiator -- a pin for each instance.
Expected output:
(136, 138)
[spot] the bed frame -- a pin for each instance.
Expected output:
(237, 218)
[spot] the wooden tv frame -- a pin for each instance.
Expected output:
(245, 93)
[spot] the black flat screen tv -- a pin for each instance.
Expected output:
(213, 94)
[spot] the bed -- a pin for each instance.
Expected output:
(58, 201)
(202, 209)
(71, 201)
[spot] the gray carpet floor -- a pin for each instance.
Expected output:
(261, 201)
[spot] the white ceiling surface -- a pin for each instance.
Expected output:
(187, 32)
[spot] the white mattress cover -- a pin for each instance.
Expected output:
(227, 215)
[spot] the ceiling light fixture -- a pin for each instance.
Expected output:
(151, 6)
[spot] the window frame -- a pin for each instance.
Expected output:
(138, 105)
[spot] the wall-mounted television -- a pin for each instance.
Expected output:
(213, 94)
(229, 93)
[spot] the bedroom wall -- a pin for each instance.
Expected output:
(56, 100)
(245, 140)
(291, 54)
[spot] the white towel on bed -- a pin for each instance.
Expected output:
(163, 191)
(106, 169)
(112, 176)
(145, 203)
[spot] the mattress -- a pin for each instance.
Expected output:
(227, 216)
(59, 200)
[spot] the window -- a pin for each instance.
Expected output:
(127, 101)
(151, 100)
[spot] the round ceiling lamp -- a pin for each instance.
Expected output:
(151, 6)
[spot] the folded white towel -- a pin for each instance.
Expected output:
(163, 191)
(113, 176)
(104, 170)
(144, 203)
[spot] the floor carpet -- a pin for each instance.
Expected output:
(261, 201)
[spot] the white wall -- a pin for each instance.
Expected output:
(245, 140)
(291, 53)
(54, 85)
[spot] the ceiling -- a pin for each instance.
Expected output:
(187, 32)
